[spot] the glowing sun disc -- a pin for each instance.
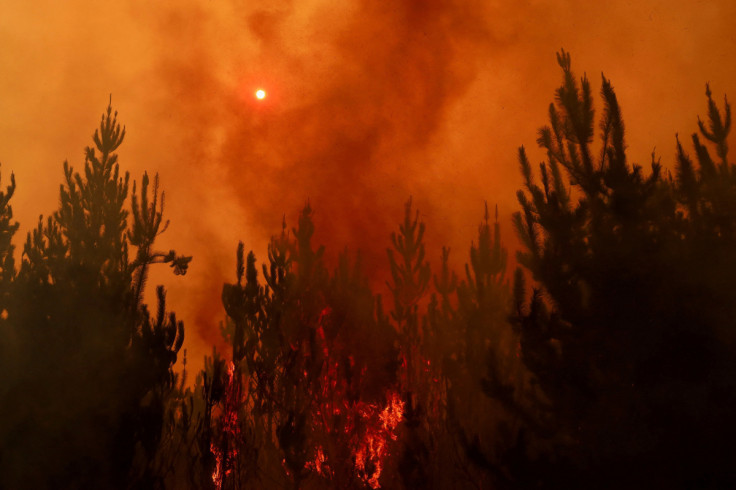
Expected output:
(260, 94)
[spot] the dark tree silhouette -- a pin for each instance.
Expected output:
(617, 369)
(625, 333)
(8, 345)
(86, 407)
(410, 277)
(7, 261)
(316, 360)
(485, 385)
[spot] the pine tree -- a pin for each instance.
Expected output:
(616, 334)
(8, 347)
(484, 379)
(410, 274)
(7, 260)
(317, 363)
(410, 278)
(96, 367)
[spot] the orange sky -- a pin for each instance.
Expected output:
(369, 102)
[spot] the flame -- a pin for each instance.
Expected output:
(371, 453)
(319, 464)
(217, 473)
(226, 451)
(356, 433)
(392, 414)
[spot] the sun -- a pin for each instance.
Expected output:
(260, 94)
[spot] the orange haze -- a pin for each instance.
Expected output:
(368, 103)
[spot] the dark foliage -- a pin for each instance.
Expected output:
(316, 357)
(83, 407)
(617, 369)
(630, 332)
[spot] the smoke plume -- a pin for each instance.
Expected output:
(368, 103)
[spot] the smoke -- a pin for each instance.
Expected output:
(368, 103)
(356, 98)
(358, 140)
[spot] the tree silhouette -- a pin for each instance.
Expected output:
(485, 385)
(94, 366)
(317, 364)
(7, 277)
(410, 280)
(617, 369)
(619, 335)
(7, 261)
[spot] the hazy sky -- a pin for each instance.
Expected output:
(368, 102)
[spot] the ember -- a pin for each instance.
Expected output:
(372, 451)
(225, 450)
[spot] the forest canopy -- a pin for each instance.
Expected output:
(606, 359)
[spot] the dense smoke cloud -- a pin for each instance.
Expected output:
(368, 103)
(348, 124)
(359, 140)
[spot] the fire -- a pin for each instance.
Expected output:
(225, 450)
(391, 415)
(319, 464)
(372, 451)
(355, 433)
(217, 473)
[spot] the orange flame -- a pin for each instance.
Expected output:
(226, 451)
(364, 429)
(371, 453)
(320, 463)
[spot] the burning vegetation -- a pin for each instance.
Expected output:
(616, 370)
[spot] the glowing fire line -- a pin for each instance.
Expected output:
(226, 452)
(369, 426)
